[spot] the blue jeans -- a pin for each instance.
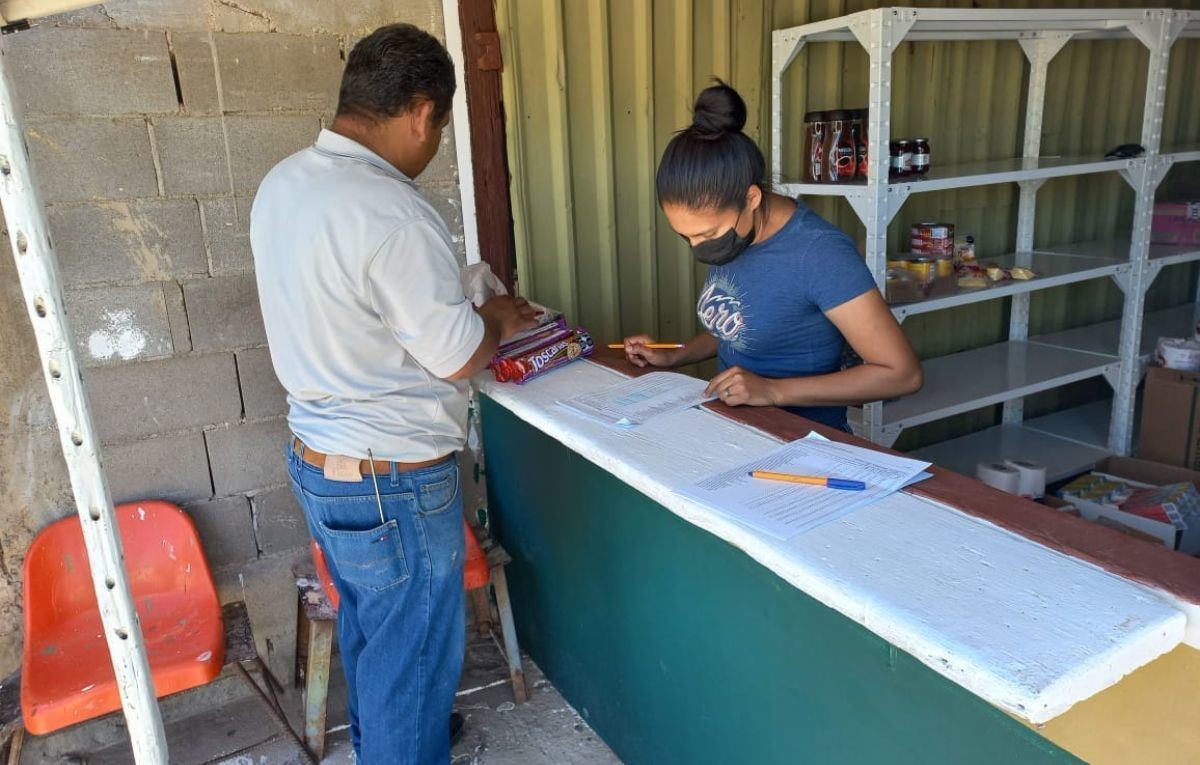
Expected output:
(401, 619)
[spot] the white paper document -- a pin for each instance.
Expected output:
(784, 510)
(632, 402)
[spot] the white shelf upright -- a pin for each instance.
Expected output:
(1131, 263)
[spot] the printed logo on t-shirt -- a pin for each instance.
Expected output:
(721, 312)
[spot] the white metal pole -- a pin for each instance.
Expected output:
(879, 31)
(37, 267)
(1040, 49)
(1158, 33)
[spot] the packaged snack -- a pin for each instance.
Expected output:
(548, 348)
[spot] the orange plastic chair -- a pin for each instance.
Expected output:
(67, 676)
(475, 570)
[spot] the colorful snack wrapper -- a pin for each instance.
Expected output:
(540, 352)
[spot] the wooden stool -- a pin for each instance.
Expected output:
(316, 617)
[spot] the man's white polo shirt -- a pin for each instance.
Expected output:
(363, 305)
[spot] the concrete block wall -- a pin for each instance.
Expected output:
(151, 123)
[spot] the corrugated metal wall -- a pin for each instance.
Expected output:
(595, 89)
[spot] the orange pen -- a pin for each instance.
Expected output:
(811, 480)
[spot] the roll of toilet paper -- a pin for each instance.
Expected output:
(999, 476)
(1032, 484)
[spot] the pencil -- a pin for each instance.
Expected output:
(651, 346)
(811, 480)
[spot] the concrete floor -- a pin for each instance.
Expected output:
(236, 731)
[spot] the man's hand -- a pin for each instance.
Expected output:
(510, 315)
(640, 356)
(737, 387)
(503, 316)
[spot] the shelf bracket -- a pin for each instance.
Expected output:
(1152, 271)
(863, 203)
(895, 22)
(785, 46)
(889, 436)
(1032, 186)
(1112, 373)
(1123, 279)
(1160, 27)
(1041, 47)
(1152, 170)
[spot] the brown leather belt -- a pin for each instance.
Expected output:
(317, 459)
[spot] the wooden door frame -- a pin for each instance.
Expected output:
(482, 72)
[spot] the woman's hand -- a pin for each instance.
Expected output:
(640, 356)
(737, 387)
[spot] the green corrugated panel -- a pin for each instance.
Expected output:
(594, 89)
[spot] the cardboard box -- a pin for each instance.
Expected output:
(1171, 418)
(1176, 223)
(1144, 473)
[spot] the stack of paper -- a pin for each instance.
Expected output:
(784, 510)
(632, 402)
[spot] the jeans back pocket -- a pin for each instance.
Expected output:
(439, 494)
(371, 558)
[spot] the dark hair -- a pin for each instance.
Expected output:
(711, 163)
(392, 68)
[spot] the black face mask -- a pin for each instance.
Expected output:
(724, 248)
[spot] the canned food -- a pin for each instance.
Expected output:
(933, 230)
(922, 268)
(945, 267)
(935, 240)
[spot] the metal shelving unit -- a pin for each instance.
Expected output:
(1062, 457)
(1105, 337)
(955, 383)
(1086, 425)
(1006, 372)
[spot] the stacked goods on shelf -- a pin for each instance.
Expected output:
(910, 158)
(835, 146)
(938, 264)
(1176, 223)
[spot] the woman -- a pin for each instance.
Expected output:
(785, 290)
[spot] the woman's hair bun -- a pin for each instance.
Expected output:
(718, 110)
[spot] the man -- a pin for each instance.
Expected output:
(374, 341)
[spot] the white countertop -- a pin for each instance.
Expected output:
(1027, 628)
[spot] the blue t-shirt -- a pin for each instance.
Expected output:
(767, 307)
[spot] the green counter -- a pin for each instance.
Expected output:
(679, 648)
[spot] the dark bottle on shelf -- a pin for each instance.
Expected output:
(906, 156)
(861, 159)
(815, 126)
(895, 161)
(920, 156)
(842, 156)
